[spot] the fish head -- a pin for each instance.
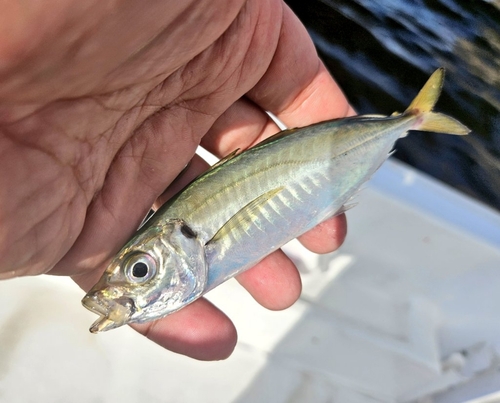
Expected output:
(159, 271)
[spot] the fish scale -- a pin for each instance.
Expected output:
(310, 193)
(239, 189)
(249, 205)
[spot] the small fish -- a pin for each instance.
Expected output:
(248, 205)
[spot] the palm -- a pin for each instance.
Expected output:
(89, 141)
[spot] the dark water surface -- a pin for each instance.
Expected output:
(382, 51)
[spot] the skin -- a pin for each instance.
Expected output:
(102, 104)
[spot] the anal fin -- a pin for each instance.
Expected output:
(346, 207)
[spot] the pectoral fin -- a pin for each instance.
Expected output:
(246, 216)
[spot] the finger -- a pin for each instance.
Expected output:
(199, 330)
(241, 126)
(298, 95)
(274, 282)
(327, 236)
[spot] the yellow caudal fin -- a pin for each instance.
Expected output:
(439, 123)
(429, 94)
(424, 103)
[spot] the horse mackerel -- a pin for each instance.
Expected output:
(250, 204)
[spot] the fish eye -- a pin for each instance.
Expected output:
(140, 267)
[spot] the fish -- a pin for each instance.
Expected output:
(248, 205)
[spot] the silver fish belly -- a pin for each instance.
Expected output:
(249, 205)
(308, 180)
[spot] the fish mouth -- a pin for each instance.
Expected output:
(112, 313)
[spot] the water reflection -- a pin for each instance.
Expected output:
(382, 52)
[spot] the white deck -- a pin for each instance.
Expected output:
(406, 311)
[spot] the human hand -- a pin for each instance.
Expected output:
(102, 106)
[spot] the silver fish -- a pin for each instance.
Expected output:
(247, 206)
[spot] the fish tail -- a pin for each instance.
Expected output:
(423, 104)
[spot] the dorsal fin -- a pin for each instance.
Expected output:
(228, 157)
(245, 216)
(218, 164)
(233, 154)
(276, 136)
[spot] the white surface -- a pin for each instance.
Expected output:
(406, 311)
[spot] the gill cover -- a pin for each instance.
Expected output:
(160, 270)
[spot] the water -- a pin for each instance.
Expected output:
(381, 52)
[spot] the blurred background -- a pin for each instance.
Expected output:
(381, 52)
